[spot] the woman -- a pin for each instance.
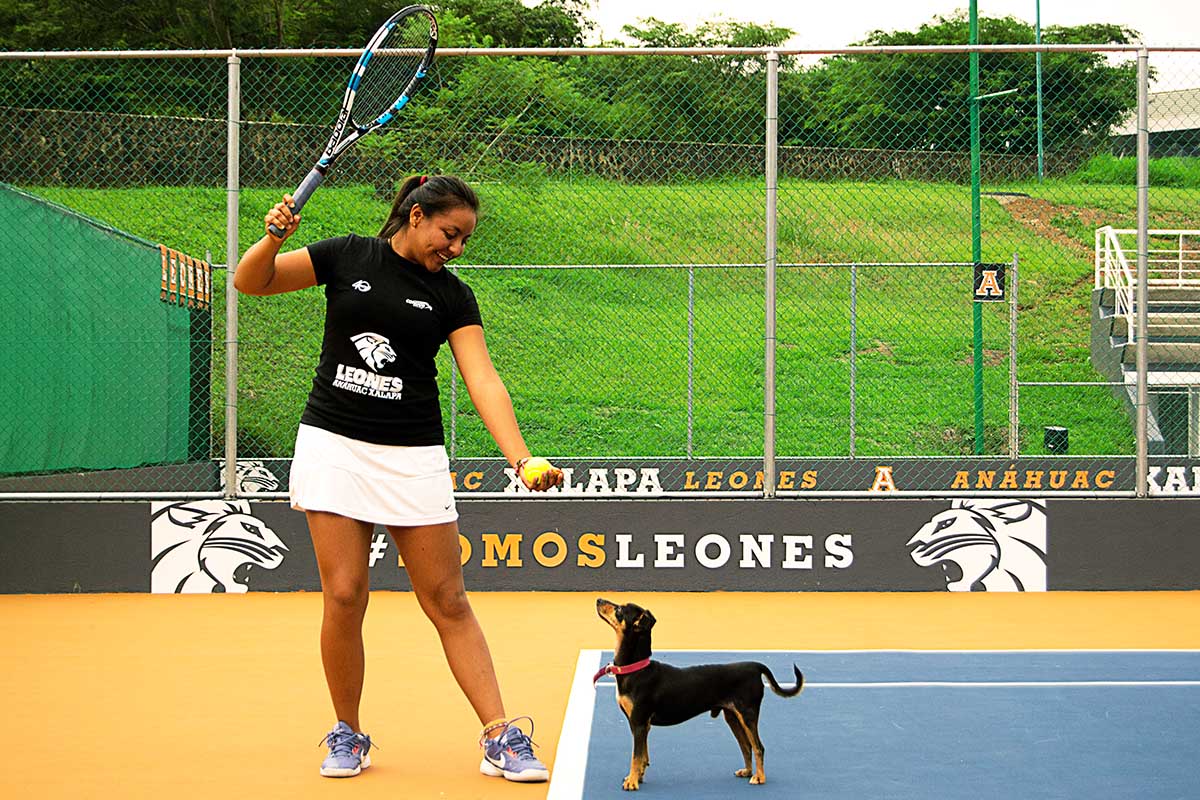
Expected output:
(370, 446)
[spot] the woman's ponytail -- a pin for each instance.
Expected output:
(435, 194)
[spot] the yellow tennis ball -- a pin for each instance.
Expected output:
(535, 468)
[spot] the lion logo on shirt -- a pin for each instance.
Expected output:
(986, 546)
(376, 350)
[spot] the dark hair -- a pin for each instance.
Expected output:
(435, 194)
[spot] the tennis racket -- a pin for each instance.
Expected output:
(395, 61)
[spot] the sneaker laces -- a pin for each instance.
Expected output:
(517, 740)
(340, 742)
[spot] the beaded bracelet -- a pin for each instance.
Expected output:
(491, 726)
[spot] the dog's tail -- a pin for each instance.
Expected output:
(776, 688)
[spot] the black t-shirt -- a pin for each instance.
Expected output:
(385, 319)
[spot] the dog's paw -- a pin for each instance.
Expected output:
(758, 779)
(743, 773)
(630, 784)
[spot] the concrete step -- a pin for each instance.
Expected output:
(1185, 297)
(1161, 324)
(1187, 294)
(1164, 353)
(1159, 379)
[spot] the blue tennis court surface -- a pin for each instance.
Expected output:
(913, 724)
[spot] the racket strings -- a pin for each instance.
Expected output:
(391, 68)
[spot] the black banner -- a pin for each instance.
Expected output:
(989, 543)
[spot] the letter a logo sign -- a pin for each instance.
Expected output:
(989, 283)
(884, 482)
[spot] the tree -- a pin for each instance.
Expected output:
(510, 23)
(225, 24)
(688, 98)
(712, 33)
(921, 101)
(186, 24)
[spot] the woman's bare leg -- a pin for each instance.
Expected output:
(341, 545)
(432, 558)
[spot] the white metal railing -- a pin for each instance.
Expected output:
(1172, 261)
(1113, 272)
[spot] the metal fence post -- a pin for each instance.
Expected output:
(1037, 68)
(1014, 415)
(691, 358)
(453, 408)
(772, 168)
(1143, 246)
(853, 359)
(232, 181)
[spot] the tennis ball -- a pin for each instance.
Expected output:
(535, 468)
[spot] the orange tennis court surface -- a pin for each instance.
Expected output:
(202, 696)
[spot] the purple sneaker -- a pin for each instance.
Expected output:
(511, 754)
(348, 752)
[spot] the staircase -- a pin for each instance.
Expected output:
(1173, 340)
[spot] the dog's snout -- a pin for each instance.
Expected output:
(609, 611)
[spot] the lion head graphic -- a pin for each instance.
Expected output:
(200, 546)
(986, 545)
(376, 350)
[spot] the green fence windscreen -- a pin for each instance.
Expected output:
(100, 372)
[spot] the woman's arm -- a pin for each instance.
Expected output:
(262, 270)
(492, 401)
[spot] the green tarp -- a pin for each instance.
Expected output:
(97, 369)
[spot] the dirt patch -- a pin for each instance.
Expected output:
(991, 358)
(959, 440)
(1038, 215)
(881, 348)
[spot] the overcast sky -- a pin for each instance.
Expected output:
(836, 23)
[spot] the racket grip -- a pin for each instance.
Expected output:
(301, 195)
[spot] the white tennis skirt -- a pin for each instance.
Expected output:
(379, 483)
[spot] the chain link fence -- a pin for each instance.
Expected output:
(714, 271)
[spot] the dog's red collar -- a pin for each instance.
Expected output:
(613, 669)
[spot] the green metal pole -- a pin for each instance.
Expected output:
(1038, 39)
(976, 228)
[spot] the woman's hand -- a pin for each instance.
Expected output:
(282, 218)
(538, 474)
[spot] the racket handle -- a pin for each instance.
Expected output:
(301, 195)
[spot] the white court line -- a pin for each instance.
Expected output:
(956, 684)
(943, 652)
(970, 684)
(994, 684)
(570, 759)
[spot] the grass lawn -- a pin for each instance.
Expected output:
(597, 360)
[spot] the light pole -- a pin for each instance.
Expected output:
(976, 244)
(976, 222)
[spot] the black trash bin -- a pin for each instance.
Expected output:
(1056, 439)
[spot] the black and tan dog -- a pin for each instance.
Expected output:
(653, 693)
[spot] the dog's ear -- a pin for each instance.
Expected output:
(644, 622)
